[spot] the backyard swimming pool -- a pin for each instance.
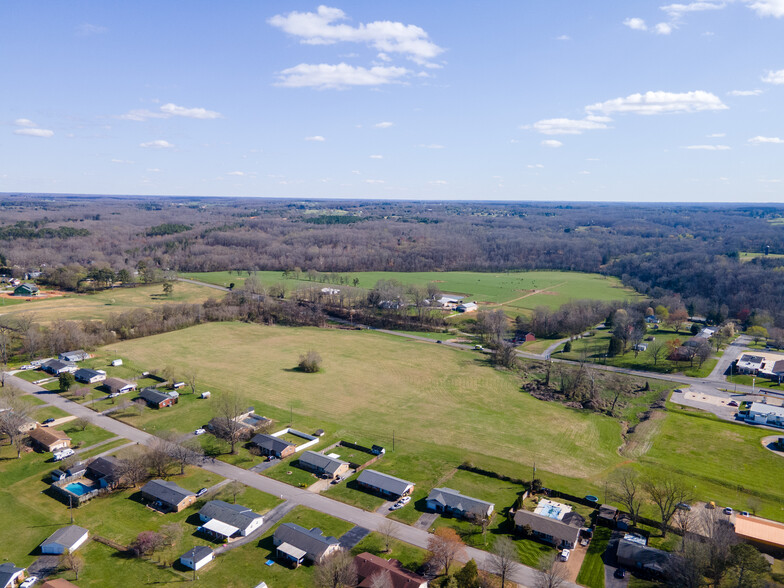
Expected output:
(78, 488)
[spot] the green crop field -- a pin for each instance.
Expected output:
(514, 292)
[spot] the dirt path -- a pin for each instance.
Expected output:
(531, 293)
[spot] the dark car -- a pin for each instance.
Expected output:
(683, 506)
(732, 403)
(439, 341)
(47, 421)
(620, 573)
(201, 492)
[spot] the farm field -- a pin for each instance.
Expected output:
(102, 304)
(514, 292)
(748, 255)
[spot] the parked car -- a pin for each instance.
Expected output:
(683, 506)
(565, 555)
(201, 492)
(478, 347)
(728, 511)
(336, 480)
(620, 573)
(396, 506)
(744, 513)
(199, 432)
(27, 367)
(405, 500)
(732, 403)
(47, 421)
(439, 341)
(29, 582)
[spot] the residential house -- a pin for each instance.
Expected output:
(118, 386)
(26, 290)
(651, 320)
(58, 583)
(370, 567)
(197, 558)
(635, 556)
(78, 355)
(323, 465)
(57, 367)
(759, 413)
(64, 540)
(296, 543)
(562, 534)
(10, 575)
(446, 500)
(224, 520)
(25, 423)
(269, 445)
(156, 399)
(46, 439)
(168, 495)
(384, 484)
(467, 307)
(88, 376)
(107, 471)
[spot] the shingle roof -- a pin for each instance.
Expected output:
(167, 492)
(47, 436)
(105, 467)
(385, 482)
(454, 500)
(57, 364)
(153, 396)
(66, 536)
(117, 384)
(197, 553)
(86, 373)
(7, 572)
(548, 526)
(235, 515)
(271, 443)
(642, 556)
(369, 566)
(328, 465)
(313, 542)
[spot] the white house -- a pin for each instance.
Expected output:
(765, 414)
(225, 520)
(65, 540)
(197, 558)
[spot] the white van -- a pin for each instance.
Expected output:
(61, 454)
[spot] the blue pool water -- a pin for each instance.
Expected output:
(551, 511)
(78, 488)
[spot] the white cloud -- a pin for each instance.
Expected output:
(534, 166)
(568, 126)
(760, 140)
(585, 173)
(168, 111)
(563, 38)
(774, 77)
(384, 125)
(325, 75)
(636, 24)
(592, 159)
(317, 138)
(432, 146)
(374, 181)
(439, 182)
(676, 11)
(716, 135)
(744, 93)
(24, 122)
(323, 28)
(42, 133)
(157, 144)
(153, 169)
(376, 157)
(552, 143)
(767, 7)
(125, 161)
(662, 28)
(356, 172)
(87, 29)
(708, 147)
(660, 103)
(236, 173)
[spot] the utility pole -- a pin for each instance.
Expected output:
(393, 439)
(70, 506)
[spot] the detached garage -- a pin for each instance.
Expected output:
(65, 540)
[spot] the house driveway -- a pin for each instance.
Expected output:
(319, 485)
(611, 563)
(350, 538)
(44, 566)
(383, 510)
(575, 562)
(426, 520)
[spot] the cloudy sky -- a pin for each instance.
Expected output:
(505, 100)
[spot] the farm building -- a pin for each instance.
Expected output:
(384, 484)
(57, 367)
(224, 520)
(157, 399)
(26, 290)
(87, 376)
(467, 307)
(323, 465)
(370, 567)
(78, 355)
(197, 558)
(168, 495)
(446, 500)
(560, 533)
(47, 439)
(296, 543)
(269, 445)
(64, 540)
(118, 386)
(764, 414)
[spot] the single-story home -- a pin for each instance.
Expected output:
(57, 367)
(635, 556)
(58, 583)
(88, 376)
(168, 495)
(106, 470)
(323, 465)
(78, 355)
(47, 439)
(764, 414)
(562, 534)
(118, 386)
(197, 558)
(384, 484)
(157, 399)
(270, 445)
(467, 307)
(296, 543)
(65, 540)
(452, 502)
(10, 575)
(370, 567)
(225, 520)
(26, 290)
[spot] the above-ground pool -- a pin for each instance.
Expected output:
(78, 488)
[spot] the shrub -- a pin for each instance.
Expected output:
(310, 363)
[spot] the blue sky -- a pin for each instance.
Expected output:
(504, 100)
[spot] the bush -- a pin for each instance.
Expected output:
(567, 347)
(310, 363)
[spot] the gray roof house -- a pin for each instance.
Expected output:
(88, 376)
(10, 575)
(561, 534)
(64, 540)
(78, 355)
(57, 366)
(197, 558)
(297, 543)
(451, 501)
(107, 470)
(118, 386)
(155, 398)
(270, 445)
(641, 557)
(384, 483)
(168, 494)
(323, 465)
(226, 520)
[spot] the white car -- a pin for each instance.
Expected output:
(396, 506)
(565, 555)
(29, 582)
(404, 501)
(199, 432)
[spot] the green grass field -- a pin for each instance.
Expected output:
(748, 255)
(514, 292)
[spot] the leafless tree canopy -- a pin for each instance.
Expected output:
(550, 572)
(336, 571)
(504, 559)
(627, 489)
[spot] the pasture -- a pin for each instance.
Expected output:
(514, 292)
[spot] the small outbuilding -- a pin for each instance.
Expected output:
(65, 540)
(197, 558)
(26, 290)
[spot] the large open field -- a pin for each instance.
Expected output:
(515, 292)
(102, 304)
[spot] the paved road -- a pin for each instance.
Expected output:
(523, 575)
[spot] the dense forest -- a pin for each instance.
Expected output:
(662, 250)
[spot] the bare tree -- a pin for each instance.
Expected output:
(628, 491)
(172, 533)
(14, 417)
(191, 378)
(72, 561)
(147, 543)
(444, 546)
(226, 426)
(336, 571)
(686, 569)
(682, 520)
(310, 362)
(159, 458)
(721, 537)
(666, 493)
(504, 559)
(656, 350)
(233, 489)
(387, 531)
(182, 453)
(80, 424)
(550, 573)
(381, 580)
(134, 469)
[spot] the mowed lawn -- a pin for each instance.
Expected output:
(102, 304)
(373, 386)
(513, 291)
